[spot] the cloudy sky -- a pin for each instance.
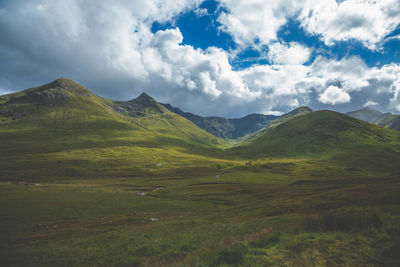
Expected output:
(223, 57)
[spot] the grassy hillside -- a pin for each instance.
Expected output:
(277, 121)
(390, 121)
(62, 129)
(319, 132)
(292, 114)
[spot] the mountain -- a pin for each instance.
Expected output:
(370, 115)
(63, 122)
(140, 106)
(65, 103)
(317, 133)
(240, 127)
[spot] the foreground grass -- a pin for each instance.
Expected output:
(270, 212)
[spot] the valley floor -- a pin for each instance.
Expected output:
(269, 212)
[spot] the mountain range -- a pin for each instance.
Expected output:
(225, 128)
(236, 128)
(387, 120)
(26, 104)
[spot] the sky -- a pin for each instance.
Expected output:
(225, 58)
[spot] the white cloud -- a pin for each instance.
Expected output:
(349, 72)
(395, 100)
(259, 20)
(248, 21)
(115, 53)
(272, 112)
(200, 12)
(396, 37)
(292, 54)
(334, 95)
(370, 103)
(363, 20)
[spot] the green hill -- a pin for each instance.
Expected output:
(277, 121)
(62, 128)
(285, 117)
(318, 133)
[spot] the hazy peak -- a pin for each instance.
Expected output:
(64, 83)
(300, 110)
(144, 96)
(367, 109)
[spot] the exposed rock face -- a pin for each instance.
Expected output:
(11, 111)
(61, 90)
(138, 107)
(128, 109)
(65, 85)
(51, 97)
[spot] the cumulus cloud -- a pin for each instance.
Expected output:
(293, 53)
(109, 47)
(116, 52)
(200, 12)
(256, 20)
(273, 112)
(334, 95)
(370, 103)
(395, 88)
(259, 20)
(366, 21)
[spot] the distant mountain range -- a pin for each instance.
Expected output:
(227, 128)
(250, 124)
(236, 128)
(370, 115)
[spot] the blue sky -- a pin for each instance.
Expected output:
(226, 57)
(202, 32)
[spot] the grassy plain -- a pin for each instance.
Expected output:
(274, 212)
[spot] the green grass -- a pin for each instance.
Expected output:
(201, 220)
(84, 185)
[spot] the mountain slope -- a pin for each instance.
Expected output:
(226, 128)
(62, 128)
(370, 115)
(318, 133)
